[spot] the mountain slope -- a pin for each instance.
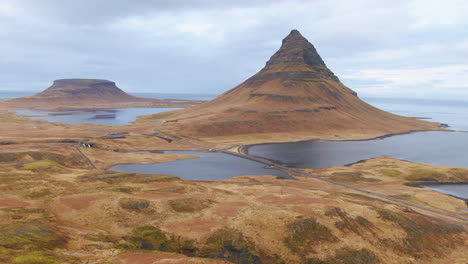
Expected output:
(294, 93)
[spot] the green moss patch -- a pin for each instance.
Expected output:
(6, 255)
(39, 193)
(225, 243)
(37, 258)
(161, 115)
(303, 234)
(100, 237)
(113, 177)
(33, 235)
(426, 237)
(73, 160)
(44, 166)
(358, 225)
(230, 245)
(8, 157)
(458, 175)
(355, 196)
(189, 205)
(173, 189)
(351, 256)
(426, 175)
(351, 176)
(407, 197)
(390, 172)
(133, 204)
(152, 238)
(20, 213)
(123, 189)
(347, 256)
(10, 178)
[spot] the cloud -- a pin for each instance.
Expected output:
(422, 82)
(210, 46)
(434, 13)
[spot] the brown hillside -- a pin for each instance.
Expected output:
(73, 92)
(294, 93)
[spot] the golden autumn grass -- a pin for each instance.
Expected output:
(96, 216)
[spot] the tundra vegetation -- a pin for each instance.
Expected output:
(244, 220)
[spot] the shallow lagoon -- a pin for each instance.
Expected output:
(210, 166)
(104, 116)
(457, 190)
(431, 147)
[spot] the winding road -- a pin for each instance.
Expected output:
(280, 167)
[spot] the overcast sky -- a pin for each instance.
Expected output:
(415, 48)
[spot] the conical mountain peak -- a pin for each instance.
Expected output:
(294, 94)
(296, 49)
(297, 59)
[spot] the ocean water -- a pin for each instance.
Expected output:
(451, 112)
(14, 94)
(184, 96)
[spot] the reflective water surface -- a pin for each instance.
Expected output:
(105, 117)
(432, 147)
(457, 190)
(210, 166)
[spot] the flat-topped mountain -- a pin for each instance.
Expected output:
(295, 93)
(84, 89)
(77, 93)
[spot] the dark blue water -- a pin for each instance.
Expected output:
(210, 166)
(105, 117)
(432, 147)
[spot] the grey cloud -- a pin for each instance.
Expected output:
(210, 46)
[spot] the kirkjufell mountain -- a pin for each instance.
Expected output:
(295, 93)
(77, 92)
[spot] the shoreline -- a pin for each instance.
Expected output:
(6, 104)
(244, 149)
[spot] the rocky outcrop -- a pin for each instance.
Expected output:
(298, 51)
